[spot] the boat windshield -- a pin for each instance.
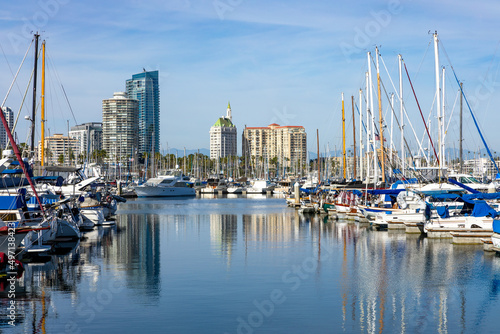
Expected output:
(468, 179)
(172, 172)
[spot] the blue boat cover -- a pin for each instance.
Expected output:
(407, 181)
(427, 212)
(496, 226)
(482, 196)
(443, 211)
(384, 191)
(482, 209)
(469, 189)
(445, 196)
(12, 171)
(307, 191)
(357, 193)
(11, 202)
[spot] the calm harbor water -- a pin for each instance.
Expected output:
(253, 265)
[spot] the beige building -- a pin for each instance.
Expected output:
(120, 127)
(60, 148)
(286, 143)
(223, 137)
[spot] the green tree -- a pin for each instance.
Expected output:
(99, 155)
(71, 155)
(60, 159)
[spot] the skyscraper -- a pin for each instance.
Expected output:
(144, 87)
(223, 137)
(119, 126)
(9, 116)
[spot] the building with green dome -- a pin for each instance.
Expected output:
(223, 137)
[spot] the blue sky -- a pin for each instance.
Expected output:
(276, 61)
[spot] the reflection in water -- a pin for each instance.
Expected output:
(138, 250)
(224, 234)
(218, 256)
(422, 279)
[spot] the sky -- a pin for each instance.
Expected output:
(285, 62)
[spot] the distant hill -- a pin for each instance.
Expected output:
(450, 153)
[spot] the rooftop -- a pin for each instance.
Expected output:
(224, 122)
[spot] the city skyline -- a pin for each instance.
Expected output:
(277, 62)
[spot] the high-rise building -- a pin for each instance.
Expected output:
(286, 143)
(223, 137)
(119, 127)
(89, 137)
(9, 116)
(144, 87)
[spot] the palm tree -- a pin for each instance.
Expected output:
(71, 155)
(48, 154)
(99, 155)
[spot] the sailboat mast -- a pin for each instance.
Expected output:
(374, 147)
(443, 132)
(33, 113)
(438, 100)
(391, 154)
(354, 138)
(360, 135)
(401, 115)
(319, 166)
(42, 110)
(461, 151)
(381, 127)
(367, 130)
(343, 137)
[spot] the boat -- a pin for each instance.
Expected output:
(171, 183)
(18, 233)
(236, 189)
(476, 215)
(215, 184)
(495, 237)
(260, 187)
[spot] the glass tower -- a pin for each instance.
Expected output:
(144, 88)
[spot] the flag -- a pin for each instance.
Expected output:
(377, 137)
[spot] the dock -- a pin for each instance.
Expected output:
(469, 238)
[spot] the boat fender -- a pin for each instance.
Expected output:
(401, 200)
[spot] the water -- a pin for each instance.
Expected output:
(238, 265)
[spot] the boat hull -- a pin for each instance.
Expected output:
(152, 191)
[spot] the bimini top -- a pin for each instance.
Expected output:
(61, 169)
